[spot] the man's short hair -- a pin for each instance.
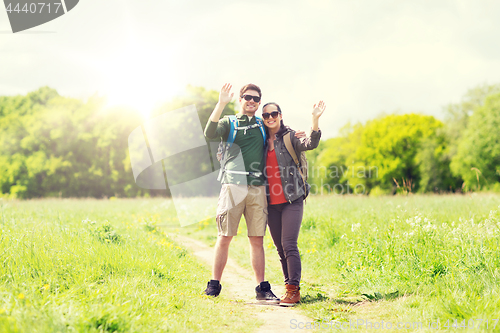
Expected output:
(250, 86)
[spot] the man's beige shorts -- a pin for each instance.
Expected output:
(235, 200)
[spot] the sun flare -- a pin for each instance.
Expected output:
(138, 76)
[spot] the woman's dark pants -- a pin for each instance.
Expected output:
(284, 222)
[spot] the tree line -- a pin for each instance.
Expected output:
(416, 153)
(56, 146)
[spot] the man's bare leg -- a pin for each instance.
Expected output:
(257, 257)
(221, 254)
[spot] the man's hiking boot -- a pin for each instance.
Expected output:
(264, 293)
(213, 288)
(292, 295)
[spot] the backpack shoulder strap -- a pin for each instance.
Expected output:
(289, 147)
(261, 126)
(233, 122)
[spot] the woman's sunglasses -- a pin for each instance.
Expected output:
(248, 98)
(273, 114)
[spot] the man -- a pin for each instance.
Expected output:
(243, 187)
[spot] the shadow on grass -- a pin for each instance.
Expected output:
(349, 302)
(366, 298)
(376, 296)
(308, 299)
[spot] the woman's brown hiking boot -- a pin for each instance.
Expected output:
(292, 295)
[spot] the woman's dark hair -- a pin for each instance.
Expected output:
(272, 103)
(282, 125)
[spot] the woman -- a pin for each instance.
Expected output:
(286, 192)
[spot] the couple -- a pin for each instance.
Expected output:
(266, 163)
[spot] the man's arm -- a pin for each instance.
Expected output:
(224, 99)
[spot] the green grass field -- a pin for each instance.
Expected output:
(102, 266)
(108, 265)
(400, 259)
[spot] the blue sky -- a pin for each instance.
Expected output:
(362, 57)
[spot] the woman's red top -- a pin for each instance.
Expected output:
(276, 194)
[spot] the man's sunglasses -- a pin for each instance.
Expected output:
(248, 98)
(273, 114)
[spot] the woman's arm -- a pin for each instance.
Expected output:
(317, 112)
(312, 141)
(308, 143)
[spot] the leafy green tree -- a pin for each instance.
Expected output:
(434, 165)
(388, 150)
(193, 164)
(329, 161)
(18, 116)
(58, 146)
(478, 154)
(458, 115)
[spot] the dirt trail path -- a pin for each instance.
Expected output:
(239, 283)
